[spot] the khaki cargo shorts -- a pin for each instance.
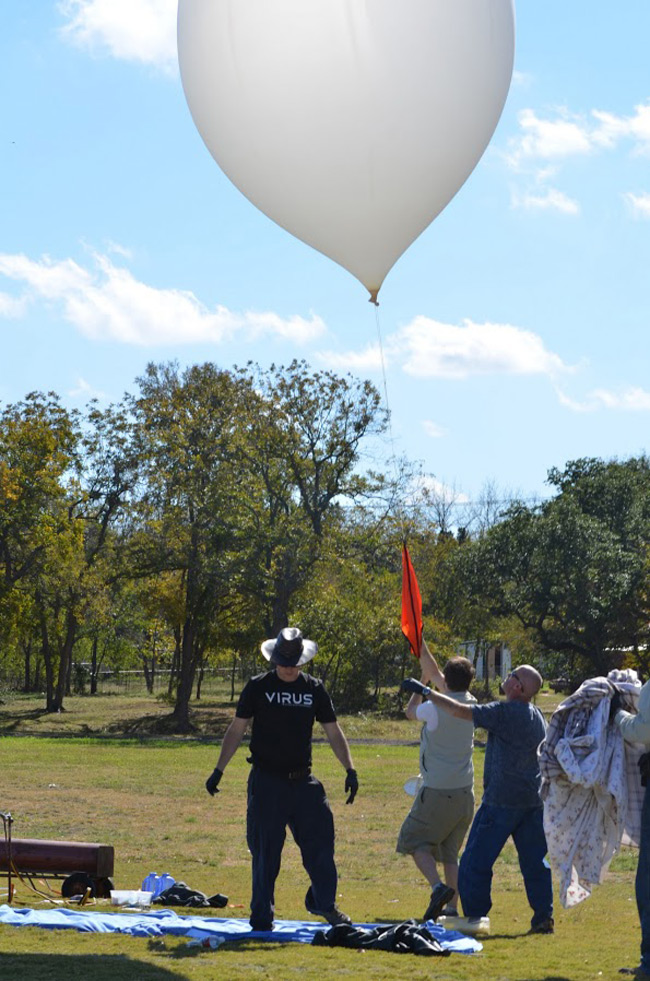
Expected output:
(437, 822)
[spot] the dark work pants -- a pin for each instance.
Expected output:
(643, 882)
(274, 802)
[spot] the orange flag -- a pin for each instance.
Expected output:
(411, 604)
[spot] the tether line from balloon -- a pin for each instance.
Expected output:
(411, 617)
(400, 514)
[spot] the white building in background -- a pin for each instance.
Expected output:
(495, 659)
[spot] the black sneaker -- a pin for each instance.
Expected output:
(333, 915)
(440, 896)
(261, 927)
(545, 926)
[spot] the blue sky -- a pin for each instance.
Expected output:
(514, 329)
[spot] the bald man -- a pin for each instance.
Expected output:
(511, 805)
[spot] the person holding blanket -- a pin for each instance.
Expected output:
(283, 704)
(636, 729)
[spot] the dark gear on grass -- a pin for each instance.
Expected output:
(351, 785)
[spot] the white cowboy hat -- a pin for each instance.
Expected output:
(289, 649)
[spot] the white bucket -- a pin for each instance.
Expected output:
(130, 897)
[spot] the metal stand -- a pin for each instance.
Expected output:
(7, 821)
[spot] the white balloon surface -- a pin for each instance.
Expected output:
(351, 123)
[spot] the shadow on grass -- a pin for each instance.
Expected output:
(210, 726)
(148, 725)
(10, 722)
(99, 967)
(206, 726)
(243, 946)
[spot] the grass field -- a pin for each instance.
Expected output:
(146, 797)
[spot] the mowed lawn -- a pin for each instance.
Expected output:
(147, 799)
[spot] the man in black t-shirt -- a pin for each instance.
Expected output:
(283, 704)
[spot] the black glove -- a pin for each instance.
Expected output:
(615, 704)
(212, 783)
(351, 785)
(644, 769)
(416, 687)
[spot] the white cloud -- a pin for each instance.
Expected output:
(130, 30)
(432, 429)
(114, 248)
(11, 307)
(630, 399)
(107, 302)
(441, 490)
(549, 199)
(369, 359)
(569, 135)
(85, 390)
(639, 204)
(521, 79)
(548, 139)
(426, 348)
(544, 144)
(612, 129)
(435, 350)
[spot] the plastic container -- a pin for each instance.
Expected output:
(414, 785)
(475, 928)
(158, 883)
(131, 897)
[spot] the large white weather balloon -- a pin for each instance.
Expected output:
(351, 123)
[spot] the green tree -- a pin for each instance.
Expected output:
(573, 570)
(188, 511)
(303, 449)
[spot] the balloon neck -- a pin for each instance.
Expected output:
(373, 297)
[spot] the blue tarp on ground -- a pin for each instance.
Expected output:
(166, 921)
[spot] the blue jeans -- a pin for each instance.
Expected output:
(491, 828)
(643, 883)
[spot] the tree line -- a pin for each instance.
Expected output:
(210, 507)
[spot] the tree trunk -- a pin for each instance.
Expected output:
(150, 668)
(233, 672)
(28, 663)
(36, 680)
(176, 660)
(200, 675)
(94, 668)
(48, 660)
(148, 680)
(50, 694)
(65, 662)
(181, 713)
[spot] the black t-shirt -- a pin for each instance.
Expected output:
(283, 716)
